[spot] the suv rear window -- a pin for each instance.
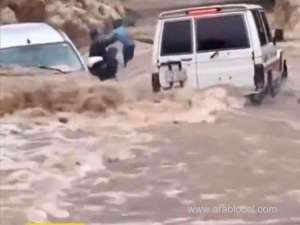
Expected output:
(177, 38)
(221, 33)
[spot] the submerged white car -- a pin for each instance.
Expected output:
(39, 45)
(213, 45)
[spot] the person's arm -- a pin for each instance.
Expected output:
(92, 51)
(110, 39)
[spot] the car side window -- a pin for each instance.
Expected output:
(177, 38)
(260, 27)
(221, 33)
(267, 26)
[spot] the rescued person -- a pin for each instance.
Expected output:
(107, 68)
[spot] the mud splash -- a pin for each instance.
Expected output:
(56, 129)
(80, 93)
(40, 162)
(73, 93)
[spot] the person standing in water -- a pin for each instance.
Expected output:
(122, 35)
(106, 69)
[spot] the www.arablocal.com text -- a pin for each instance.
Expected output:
(230, 209)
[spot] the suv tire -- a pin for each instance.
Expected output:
(257, 99)
(155, 83)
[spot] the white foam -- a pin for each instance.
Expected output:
(295, 194)
(177, 220)
(54, 211)
(173, 193)
(211, 196)
(93, 208)
(36, 215)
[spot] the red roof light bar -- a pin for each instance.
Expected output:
(198, 12)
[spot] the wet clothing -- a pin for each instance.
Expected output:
(106, 69)
(99, 46)
(121, 34)
(128, 54)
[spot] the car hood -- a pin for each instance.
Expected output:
(32, 71)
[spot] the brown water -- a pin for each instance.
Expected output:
(74, 149)
(55, 129)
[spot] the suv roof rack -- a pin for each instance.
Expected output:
(205, 9)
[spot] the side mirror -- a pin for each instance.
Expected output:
(91, 61)
(278, 36)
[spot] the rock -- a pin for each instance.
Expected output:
(14, 132)
(75, 17)
(63, 120)
(286, 16)
(7, 16)
(29, 12)
(113, 160)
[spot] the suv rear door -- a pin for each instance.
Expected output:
(224, 53)
(177, 49)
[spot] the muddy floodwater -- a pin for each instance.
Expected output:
(77, 150)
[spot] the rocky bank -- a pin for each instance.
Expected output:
(75, 17)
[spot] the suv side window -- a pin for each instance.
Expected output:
(221, 33)
(267, 26)
(260, 27)
(177, 38)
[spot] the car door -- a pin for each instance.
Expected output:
(269, 51)
(176, 56)
(224, 54)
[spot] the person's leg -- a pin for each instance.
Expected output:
(97, 70)
(128, 53)
(131, 53)
(125, 56)
(112, 63)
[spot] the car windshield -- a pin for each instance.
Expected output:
(58, 56)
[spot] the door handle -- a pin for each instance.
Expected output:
(187, 60)
(214, 54)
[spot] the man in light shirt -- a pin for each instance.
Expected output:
(122, 35)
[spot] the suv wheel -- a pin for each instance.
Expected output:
(155, 83)
(257, 99)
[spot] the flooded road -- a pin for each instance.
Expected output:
(75, 150)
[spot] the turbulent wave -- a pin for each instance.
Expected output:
(57, 128)
(76, 93)
(79, 93)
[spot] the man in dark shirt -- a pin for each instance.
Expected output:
(107, 68)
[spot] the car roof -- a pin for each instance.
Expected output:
(221, 7)
(23, 34)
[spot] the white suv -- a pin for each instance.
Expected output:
(212, 45)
